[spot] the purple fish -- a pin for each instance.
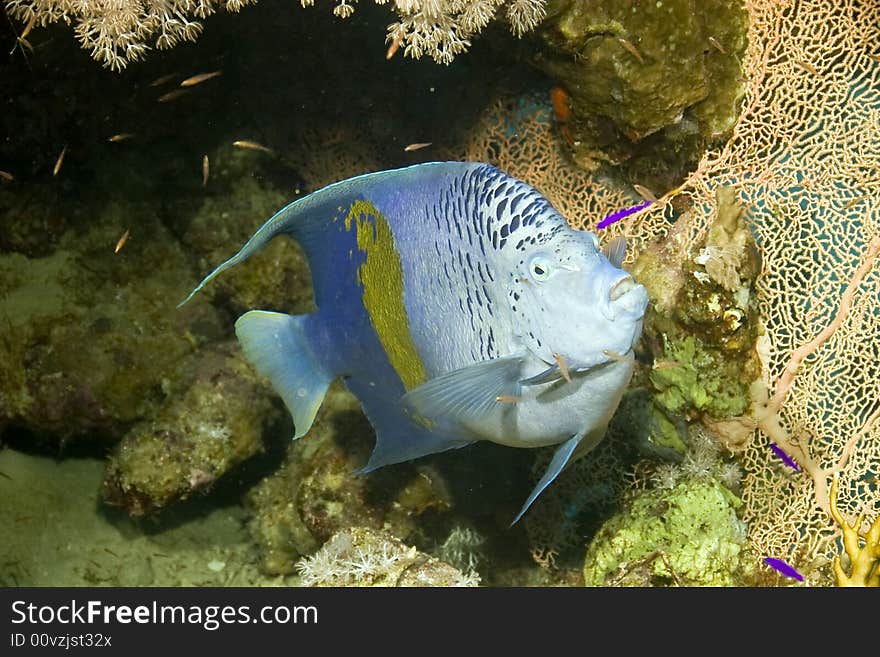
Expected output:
(783, 568)
(620, 214)
(785, 457)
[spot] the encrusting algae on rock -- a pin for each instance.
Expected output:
(702, 326)
(315, 494)
(197, 436)
(85, 335)
(648, 90)
(687, 536)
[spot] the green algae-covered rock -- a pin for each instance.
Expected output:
(696, 379)
(278, 276)
(702, 325)
(317, 492)
(196, 437)
(651, 84)
(688, 536)
(89, 338)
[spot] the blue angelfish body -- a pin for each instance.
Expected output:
(457, 305)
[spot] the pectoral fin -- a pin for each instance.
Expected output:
(615, 250)
(551, 374)
(468, 393)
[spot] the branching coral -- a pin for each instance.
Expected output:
(864, 561)
(366, 557)
(118, 32)
(443, 28)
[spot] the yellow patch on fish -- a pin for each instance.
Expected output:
(381, 276)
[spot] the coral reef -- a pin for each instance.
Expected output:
(366, 557)
(703, 324)
(650, 85)
(864, 560)
(317, 493)
(120, 33)
(88, 342)
(687, 536)
(195, 438)
(90, 345)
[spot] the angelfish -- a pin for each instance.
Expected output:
(457, 305)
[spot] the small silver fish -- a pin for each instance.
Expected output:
(252, 145)
(122, 240)
(201, 77)
(59, 161)
(458, 305)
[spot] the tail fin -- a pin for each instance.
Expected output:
(279, 349)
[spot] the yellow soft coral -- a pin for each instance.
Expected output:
(864, 561)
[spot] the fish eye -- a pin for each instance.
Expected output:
(540, 268)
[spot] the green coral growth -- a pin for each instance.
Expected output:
(688, 536)
(693, 377)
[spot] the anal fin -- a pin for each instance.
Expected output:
(277, 346)
(398, 438)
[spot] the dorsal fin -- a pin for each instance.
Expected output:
(309, 220)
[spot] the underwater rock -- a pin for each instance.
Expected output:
(687, 536)
(278, 278)
(196, 437)
(88, 338)
(318, 491)
(649, 85)
(361, 556)
(702, 325)
(647, 427)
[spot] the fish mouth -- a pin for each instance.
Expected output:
(626, 298)
(621, 287)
